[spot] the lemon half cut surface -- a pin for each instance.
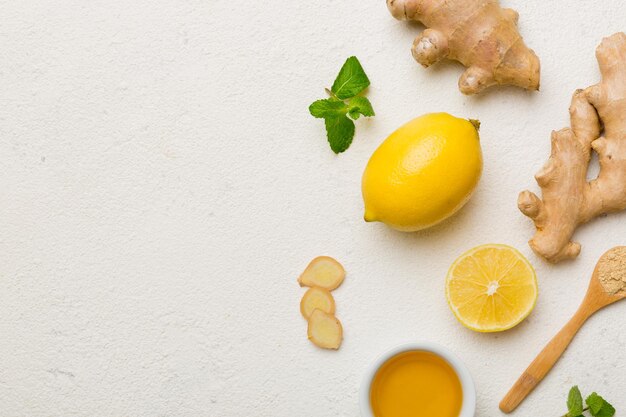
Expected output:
(491, 288)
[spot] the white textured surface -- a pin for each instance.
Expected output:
(162, 186)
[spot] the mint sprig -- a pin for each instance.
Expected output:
(344, 105)
(596, 405)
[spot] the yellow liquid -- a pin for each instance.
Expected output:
(416, 384)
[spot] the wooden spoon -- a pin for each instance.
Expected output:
(611, 263)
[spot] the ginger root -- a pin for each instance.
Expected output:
(479, 34)
(568, 199)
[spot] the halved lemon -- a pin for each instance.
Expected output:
(491, 288)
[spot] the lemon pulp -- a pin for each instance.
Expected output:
(491, 288)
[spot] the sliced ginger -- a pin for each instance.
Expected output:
(325, 330)
(317, 298)
(323, 272)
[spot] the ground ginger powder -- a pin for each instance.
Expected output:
(612, 272)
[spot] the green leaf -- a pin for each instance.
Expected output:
(328, 108)
(595, 403)
(607, 410)
(351, 79)
(340, 131)
(598, 407)
(354, 114)
(358, 106)
(574, 402)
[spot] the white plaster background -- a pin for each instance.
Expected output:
(162, 186)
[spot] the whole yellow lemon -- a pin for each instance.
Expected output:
(423, 172)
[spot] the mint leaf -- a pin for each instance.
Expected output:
(339, 131)
(351, 79)
(598, 407)
(327, 108)
(607, 410)
(574, 402)
(358, 106)
(354, 114)
(595, 403)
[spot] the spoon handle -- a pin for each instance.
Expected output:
(542, 364)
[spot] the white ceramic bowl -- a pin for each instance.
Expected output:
(468, 408)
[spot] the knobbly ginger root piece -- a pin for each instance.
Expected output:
(568, 199)
(317, 298)
(323, 272)
(479, 34)
(325, 330)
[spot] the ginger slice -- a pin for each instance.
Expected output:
(317, 298)
(325, 330)
(324, 272)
